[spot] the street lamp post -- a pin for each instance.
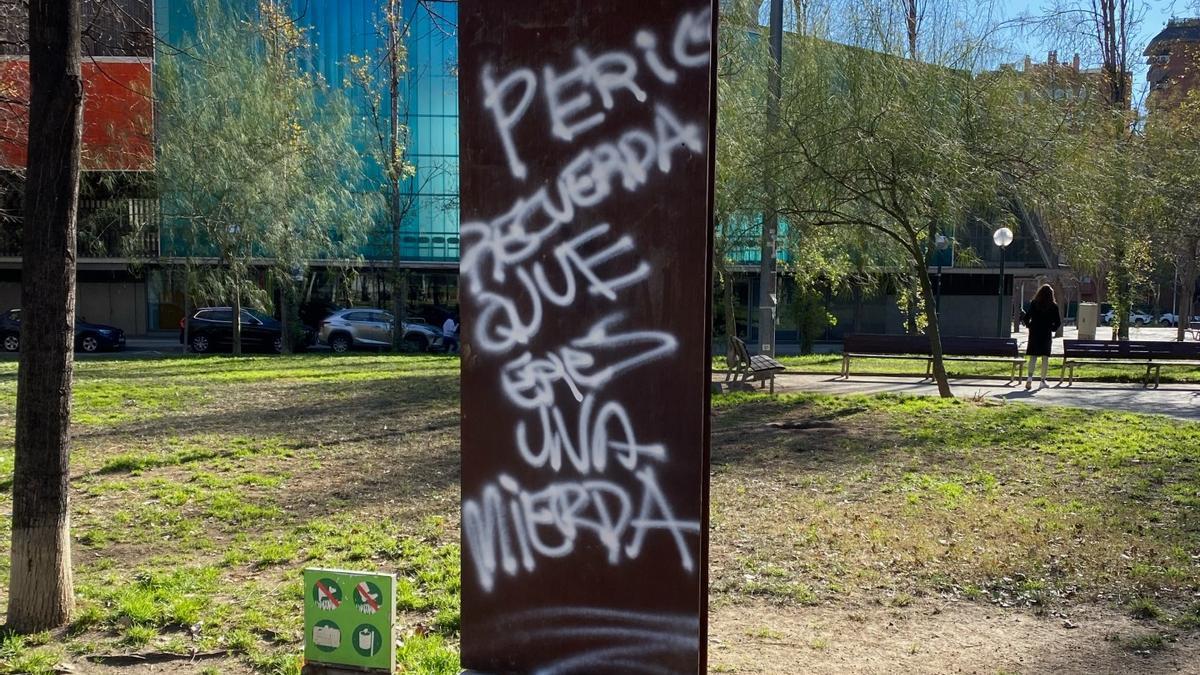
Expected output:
(768, 299)
(1003, 237)
(941, 243)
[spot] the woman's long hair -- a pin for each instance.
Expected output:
(1044, 296)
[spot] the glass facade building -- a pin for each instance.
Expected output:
(340, 29)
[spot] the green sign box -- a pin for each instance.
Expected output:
(348, 619)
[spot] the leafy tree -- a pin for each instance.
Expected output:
(1109, 235)
(900, 148)
(256, 162)
(1172, 180)
(739, 181)
(380, 78)
(40, 582)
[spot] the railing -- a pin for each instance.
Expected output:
(107, 228)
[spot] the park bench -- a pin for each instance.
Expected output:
(746, 368)
(916, 347)
(1149, 354)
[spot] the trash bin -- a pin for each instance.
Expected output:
(1087, 320)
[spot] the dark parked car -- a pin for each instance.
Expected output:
(211, 328)
(89, 337)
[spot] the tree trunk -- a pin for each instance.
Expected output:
(1187, 295)
(727, 304)
(912, 19)
(1123, 288)
(237, 316)
(399, 295)
(929, 305)
(1064, 300)
(40, 583)
(285, 314)
(187, 309)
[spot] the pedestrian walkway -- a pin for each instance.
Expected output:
(1175, 400)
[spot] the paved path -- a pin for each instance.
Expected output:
(1176, 400)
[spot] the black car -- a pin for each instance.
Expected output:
(89, 337)
(211, 328)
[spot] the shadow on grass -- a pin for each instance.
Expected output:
(366, 431)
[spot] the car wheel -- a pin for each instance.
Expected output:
(200, 343)
(12, 342)
(89, 343)
(1139, 322)
(277, 345)
(340, 343)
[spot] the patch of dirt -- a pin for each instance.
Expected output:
(936, 637)
(183, 666)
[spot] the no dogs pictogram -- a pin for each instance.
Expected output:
(327, 594)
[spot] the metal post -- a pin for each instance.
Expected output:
(1000, 297)
(767, 294)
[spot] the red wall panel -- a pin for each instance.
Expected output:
(118, 114)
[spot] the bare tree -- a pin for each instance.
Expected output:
(40, 587)
(1111, 21)
(380, 77)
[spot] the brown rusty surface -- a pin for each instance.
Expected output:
(585, 300)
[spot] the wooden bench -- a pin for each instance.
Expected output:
(916, 347)
(1149, 354)
(746, 368)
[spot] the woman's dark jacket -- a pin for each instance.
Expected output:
(1043, 321)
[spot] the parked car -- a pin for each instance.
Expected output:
(211, 328)
(89, 337)
(346, 329)
(1171, 320)
(1136, 318)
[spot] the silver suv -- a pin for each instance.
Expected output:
(346, 329)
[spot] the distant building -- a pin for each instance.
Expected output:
(1067, 82)
(1174, 56)
(130, 284)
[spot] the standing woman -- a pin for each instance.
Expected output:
(1043, 321)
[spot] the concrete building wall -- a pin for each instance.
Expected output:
(121, 304)
(115, 303)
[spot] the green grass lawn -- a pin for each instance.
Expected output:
(202, 486)
(831, 364)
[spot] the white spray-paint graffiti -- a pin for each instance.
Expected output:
(571, 115)
(543, 254)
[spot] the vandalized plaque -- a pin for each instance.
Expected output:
(586, 132)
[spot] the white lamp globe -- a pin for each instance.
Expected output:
(1003, 237)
